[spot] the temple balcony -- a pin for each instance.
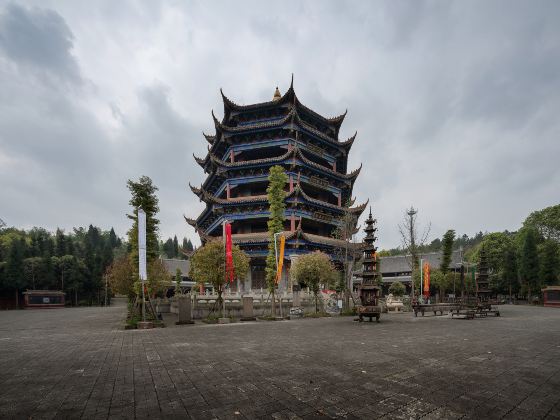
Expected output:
(319, 223)
(313, 185)
(329, 159)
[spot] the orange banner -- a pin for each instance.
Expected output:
(280, 258)
(426, 279)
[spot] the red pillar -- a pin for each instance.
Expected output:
(292, 223)
(334, 166)
(339, 199)
(228, 191)
(291, 183)
(231, 156)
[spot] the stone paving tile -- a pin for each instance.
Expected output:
(80, 363)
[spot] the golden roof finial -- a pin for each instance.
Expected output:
(276, 94)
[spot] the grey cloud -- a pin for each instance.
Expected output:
(38, 39)
(455, 103)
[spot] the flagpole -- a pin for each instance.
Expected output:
(225, 268)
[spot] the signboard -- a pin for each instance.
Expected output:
(314, 179)
(322, 216)
(142, 245)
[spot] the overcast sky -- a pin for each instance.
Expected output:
(456, 104)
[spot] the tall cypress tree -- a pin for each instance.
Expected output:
(143, 194)
(550, 262)
(175, 247)
(113, 240)
(60, 245)
(168, 248)
(447, 245)
(276, 182)
(510, 273)
(529, 262)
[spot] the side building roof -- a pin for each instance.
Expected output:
(401, 263)
(172, 264)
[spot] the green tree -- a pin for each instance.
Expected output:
(143, 195)
(312, 270)
(546, 222)
(550, 263)
(187, 245)
(347, 252)
(397, 289)
(121, 277)
(439, 281)
(159, 278)
(168, 248)
(275, 191)
(529, 262)
(13, 271)
(495, 244)
(32, 268)
(447, 249)
(208, 264)
(113, 239)
(178, 281)
(175, 247)
(60, 247)
(509, 274)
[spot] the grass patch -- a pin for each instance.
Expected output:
(349, 312)
(317, 315)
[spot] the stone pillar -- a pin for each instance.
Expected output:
(248, 284)
(297, 299)
(248, 309)
(184, 309)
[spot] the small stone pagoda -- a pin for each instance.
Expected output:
(370, 289)
(482, 284)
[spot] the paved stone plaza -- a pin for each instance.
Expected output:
(73, 363)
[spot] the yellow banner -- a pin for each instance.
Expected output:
(280, 258)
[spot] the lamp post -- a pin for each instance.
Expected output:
(411, 213)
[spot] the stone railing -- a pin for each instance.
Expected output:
(206, 304)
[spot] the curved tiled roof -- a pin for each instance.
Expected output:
(200, 161)
(262, 237)
(208, 197)
(352, 175)
(291, 116)
(209, 138)
(283, 99)
(289, 97)
(295, 152)
(221, 162)
(197, 191)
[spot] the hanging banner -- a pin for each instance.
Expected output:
(229, 255)
(142, 245)
(280, 258)
(426, 279)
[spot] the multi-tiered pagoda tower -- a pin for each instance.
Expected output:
(482, 283)
(247, 142)
(370, 272)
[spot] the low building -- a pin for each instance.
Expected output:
(171, 265)
(551, 296)
(398, 267)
